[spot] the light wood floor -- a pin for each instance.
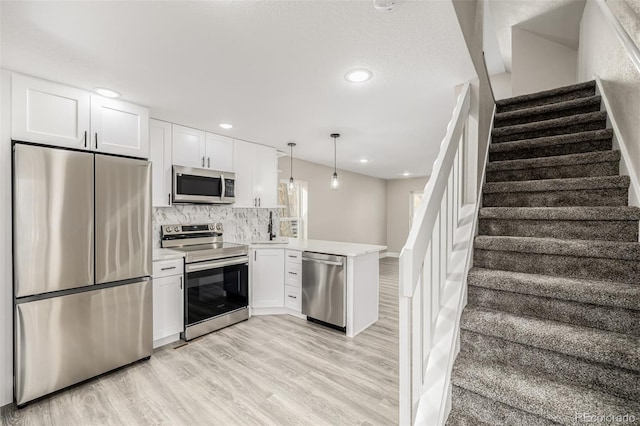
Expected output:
(269, 370)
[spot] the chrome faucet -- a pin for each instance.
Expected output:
(272, 234)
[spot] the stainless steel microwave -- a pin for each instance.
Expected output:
(203, 186)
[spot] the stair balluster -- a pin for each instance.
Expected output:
(551, 331)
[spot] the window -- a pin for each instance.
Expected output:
(293, 209)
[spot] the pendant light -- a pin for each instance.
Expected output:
(334, 178)
(291, 145)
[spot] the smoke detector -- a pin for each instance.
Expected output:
(385, 5)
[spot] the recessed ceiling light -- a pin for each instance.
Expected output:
(406, 174)
(226, 126)
(107, 92)
(358, 76)
(364, 160)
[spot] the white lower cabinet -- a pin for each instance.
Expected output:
(168, 301)
(292, 296)
(267, 278)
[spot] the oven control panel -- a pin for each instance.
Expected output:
(189, 229)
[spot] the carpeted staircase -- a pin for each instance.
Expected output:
(551, 332)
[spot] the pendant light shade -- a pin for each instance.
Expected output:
(334, 178)
(291, 145)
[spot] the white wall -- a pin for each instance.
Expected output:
(540, 64)
(501, 84)
(356, 212)
(6, 280)
(600, 53)
(398, 210)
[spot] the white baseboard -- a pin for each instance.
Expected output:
(166, 340)
(389, 254)
(276, 311)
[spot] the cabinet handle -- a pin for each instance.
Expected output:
(293, 297)
(85, 138)
(209, 162)
(255, 254)
(169, 198)
(202, 161)
(293, 273)
(167, 268)
(259, 202)
(96, 140)
(180, 283)
(293, 256)
(255, 202)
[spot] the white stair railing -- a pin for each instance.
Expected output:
(428, 263)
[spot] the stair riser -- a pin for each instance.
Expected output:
(602, 317)
(553, 150)
(492, 412)
(556, 172)
(502, 122)
(625, 271)
(582, 197)
(554, 131)
(609, 230)
(560, 367)
(577, 94)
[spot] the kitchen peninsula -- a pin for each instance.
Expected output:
(276, 278)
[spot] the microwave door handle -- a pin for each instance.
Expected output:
(223, 187)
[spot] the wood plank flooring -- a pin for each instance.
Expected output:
(269, 370)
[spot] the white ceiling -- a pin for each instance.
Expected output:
(274, 69)
(556, 20)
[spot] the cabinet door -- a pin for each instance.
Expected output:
(265, 176)
(243, 165)
(119, 128)
(219, 150)
(188, 147)
(168, 306)
(267, 278)
(49, 113)
(160, 156)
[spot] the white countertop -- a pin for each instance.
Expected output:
(166, 254)
(321, 246)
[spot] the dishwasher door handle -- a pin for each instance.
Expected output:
(322, 262)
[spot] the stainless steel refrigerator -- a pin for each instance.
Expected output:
(82, 266)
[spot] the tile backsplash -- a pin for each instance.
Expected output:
(238, 224)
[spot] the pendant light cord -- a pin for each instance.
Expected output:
(335, 156)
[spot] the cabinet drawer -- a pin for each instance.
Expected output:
(293, 274)
(165, 268)
(293, 256)
(292, 297)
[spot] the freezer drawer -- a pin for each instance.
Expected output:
(324, 288)
(64, 340)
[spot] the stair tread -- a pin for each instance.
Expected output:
(546, 93)
(549, 108)
(561, 213)
(549, 124)
(562, 184)
(620, 250)
(457, 418)
(538, 395)
(555, 161)
(552, 140)
(603, 293)
(607, 347)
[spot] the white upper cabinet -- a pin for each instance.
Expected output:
(49, 113)
(256, 175)
(160, 156)
(53, 114)
(189, 147)
(219, 152)
(119, 128)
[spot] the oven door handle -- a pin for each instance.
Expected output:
(193, 267)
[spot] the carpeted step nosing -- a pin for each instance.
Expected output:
(546, 93)
(552, 140)
(618, 250)
(620, 213)
(563, 184)
(548, 111)
(555, 161)
(556, 401)
(601, 293)
(616, 349)
(549, 124)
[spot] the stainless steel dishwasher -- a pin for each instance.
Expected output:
(324, 290)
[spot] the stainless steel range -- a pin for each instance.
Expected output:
(216, 276)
